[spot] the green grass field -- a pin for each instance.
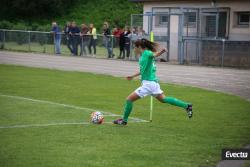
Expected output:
(44, 121)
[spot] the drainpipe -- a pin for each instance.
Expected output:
(213, 3)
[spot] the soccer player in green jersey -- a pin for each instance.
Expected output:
(150, 85)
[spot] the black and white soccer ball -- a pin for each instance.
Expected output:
(97, 117)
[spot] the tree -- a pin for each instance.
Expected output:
(23, 9)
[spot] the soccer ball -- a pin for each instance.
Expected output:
(97, 117)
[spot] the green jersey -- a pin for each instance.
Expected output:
(147, 66)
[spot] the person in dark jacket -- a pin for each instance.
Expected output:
(127, 35)
(68, 38)
(107, 39)
(75, 34)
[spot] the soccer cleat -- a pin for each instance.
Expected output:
(120, 122)
(189, 110)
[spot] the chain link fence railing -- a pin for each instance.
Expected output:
(217, 52)
(44, 42)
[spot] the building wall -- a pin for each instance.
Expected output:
(235, 32)
(236, 53)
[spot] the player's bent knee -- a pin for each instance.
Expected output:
(161, 100)
(128, 99)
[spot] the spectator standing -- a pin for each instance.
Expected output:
(57, 37)
(122, 45)
(84, 39)
(107, 39)
(138, 33)
(74, 33)
(116, 32)
(127, 35)
(68, 38)
(93, 39)
(141, 33)
(134, 36)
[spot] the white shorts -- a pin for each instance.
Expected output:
(148, 88)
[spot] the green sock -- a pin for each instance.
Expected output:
(175, 102)
(127, 109)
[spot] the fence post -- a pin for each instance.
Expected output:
(29, 40)
(45, 43)
(112, 45)
(199, 51)
(3, 38)
(223, 52)
(81, 51)
(54, 42)
(131, 45)
(182, 51)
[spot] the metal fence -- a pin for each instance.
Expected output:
(216, 52)
(44, 42)
(191, 49)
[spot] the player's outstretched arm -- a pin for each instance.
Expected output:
(161, 52)
(133, 76)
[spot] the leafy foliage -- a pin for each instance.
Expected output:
(38, 15)
(116, 12)
(26, 9)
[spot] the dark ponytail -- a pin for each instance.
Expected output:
(146, 44)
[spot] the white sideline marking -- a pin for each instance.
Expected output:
(41, 125)
(45, 125)
(54, 103)
(64, 105)
(54, 124)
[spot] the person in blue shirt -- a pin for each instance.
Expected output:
(75, 34)
(57, 37)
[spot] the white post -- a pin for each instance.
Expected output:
(151, 98)
(151, 109)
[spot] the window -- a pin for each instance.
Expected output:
(161, 20)
(190, 19)
(214, 24)
(210, 26)
(243, 18)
